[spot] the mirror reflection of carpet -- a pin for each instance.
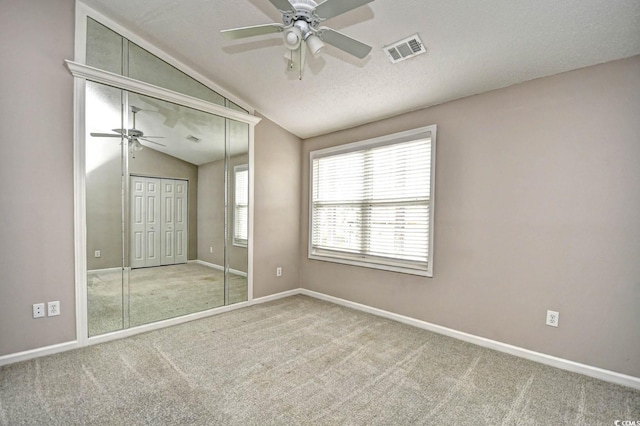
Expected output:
(157, 293)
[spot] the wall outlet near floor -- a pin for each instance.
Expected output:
(53, 308)
(38, 310)
(553, 318)
(279, 271)
(97, 253)
(210, 249)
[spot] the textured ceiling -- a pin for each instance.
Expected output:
(472, 47)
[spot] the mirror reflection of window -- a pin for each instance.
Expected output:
(241, 205)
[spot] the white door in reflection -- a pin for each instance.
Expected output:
(173, 219)
(145, 222)
(159, 212)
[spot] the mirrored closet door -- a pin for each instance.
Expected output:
(167, 200)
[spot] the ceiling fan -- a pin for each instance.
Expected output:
(301, 27)
(133, 135)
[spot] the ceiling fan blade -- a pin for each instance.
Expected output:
(171, 121)
(254, 30)
(283, 5)
(105, 135)
(331, 8)
(344, 42)
(147, 140)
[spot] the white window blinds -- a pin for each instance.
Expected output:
(372, 205)
(241, 205)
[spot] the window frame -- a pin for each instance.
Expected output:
(239, 242)
(371, 261)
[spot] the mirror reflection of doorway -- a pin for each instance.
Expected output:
(159, 212)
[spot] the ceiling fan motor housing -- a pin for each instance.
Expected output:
(304, 11)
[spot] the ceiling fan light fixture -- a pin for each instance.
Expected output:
(293, 37)
(314, 44)
(301, 29)
(137, 146)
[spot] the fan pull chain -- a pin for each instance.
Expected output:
(300, 62)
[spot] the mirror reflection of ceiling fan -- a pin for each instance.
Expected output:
(174, 114)
(301, 27)
(133, 135)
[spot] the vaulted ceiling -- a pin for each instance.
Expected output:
(472, 47)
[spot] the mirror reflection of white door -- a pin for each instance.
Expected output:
(159, 231)
(180, 221)
(167, 239)
(145, 222)
(173, 215)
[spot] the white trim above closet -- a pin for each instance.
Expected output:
(105, 77)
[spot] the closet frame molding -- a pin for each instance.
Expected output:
(83, 73)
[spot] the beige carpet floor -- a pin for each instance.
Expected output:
(300, 361)
(156, 294)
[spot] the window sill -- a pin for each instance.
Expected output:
(371, 264)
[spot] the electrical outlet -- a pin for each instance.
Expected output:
(53, 308)
(553, 318)
(38, 310)
(210, 249)
(96, 253)
(279, 271)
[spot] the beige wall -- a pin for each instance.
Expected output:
(104, 210)
(211, 212)
(36, 166)
(537, 207)
(276, 234)
(103, 201)
(211, 215)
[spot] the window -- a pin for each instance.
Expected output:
(371, 202)
(241, 205)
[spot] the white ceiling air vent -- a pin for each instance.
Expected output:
(405, 49)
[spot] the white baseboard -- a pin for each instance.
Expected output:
(564, 364)
(38, 352)
(94, 271)
(276, 296)
(208, 264)
(218, 267)
(237, 272)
